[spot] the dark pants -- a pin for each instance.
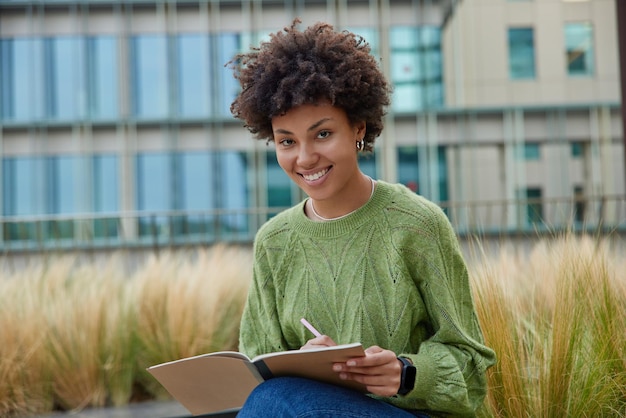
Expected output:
(293, 397)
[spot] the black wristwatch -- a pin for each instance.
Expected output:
(408, 376)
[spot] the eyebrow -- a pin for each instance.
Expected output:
(310, 128)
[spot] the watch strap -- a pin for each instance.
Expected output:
(407, 382)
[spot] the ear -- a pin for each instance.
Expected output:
(360, 130)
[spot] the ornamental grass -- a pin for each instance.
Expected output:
(556, 319)
(76, 334)
(79, 334)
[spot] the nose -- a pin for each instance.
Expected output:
(307, 155)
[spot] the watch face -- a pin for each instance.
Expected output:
(408, 376)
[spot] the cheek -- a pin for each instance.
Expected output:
(347, 155)
(283, 161)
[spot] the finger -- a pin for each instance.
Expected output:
(387, 376)
(366, 371)
(373, 350)
(376, 384)
(375, 356)
(317, 342)
(387, 366)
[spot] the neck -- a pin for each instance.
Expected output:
(315, 215)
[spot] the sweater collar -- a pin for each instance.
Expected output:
(366, 213)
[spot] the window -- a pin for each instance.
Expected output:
(19, 186)
(194, 91)
(442, 173)
(149, 76)
(105, 192)
(21, 79)
(212, 180)
(153, 185)
(42, 185)
(532, 205)
(577, 149)
(102, 77)
(20, 178)
(278, 183)
(105, 183)
(228, 44)
(52, 185)
(580, 205)
(433, 64)
(416, 176)
(416, 68)
(62, 185)
(234, 190)
(201, 72)
(579, 49)
(528, 151)
(59, 78)
(408, 172)
(196, 182)
(521, 53)
(64, 62)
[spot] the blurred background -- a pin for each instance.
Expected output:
(117, 146)
(115, 129)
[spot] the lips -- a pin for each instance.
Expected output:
(315, 176)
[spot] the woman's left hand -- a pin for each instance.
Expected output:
(380, 371)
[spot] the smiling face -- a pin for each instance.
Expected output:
(316, 147)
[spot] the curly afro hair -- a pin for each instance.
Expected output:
(306, 67)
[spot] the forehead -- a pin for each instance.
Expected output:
(306, 115)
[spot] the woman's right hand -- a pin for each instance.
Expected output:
(318, 342)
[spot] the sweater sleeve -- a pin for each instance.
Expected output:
(260, 330)
(452, 362)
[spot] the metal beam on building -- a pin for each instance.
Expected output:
(621, 41)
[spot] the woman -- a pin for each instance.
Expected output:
(363, 260)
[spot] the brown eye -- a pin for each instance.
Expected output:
(323, 134)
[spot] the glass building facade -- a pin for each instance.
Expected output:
(116, 126)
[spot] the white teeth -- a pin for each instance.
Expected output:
(315, 176)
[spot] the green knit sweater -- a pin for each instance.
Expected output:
(390, 274)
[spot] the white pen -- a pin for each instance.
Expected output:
(310, 327)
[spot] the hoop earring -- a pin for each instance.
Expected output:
(360, 145)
